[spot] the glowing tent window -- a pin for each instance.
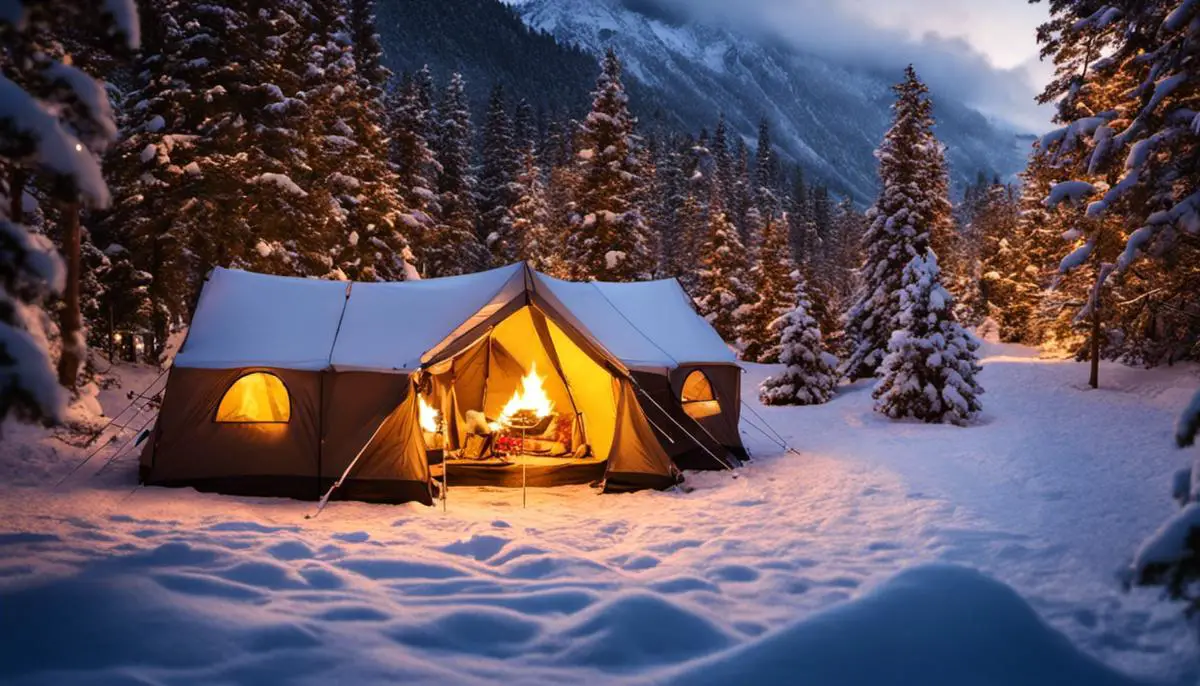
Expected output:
(697, 397)
(257, 398)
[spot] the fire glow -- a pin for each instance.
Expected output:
(530, 397)
(429, 416)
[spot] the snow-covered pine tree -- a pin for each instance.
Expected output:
(498, 191)
(670, 186)
(721, 292)
(686, 257)
(537, 242)
(766, 171)
(178, 205)
(802, 231)
(724, 170)
(908, 207)
(810, 373)
(1127, 145)
(33, 137)
(1002, 262)
(930, 368)
(454, 247)
(775, 287)
(412, 132)
(740, 197)
(609, 240)
(349, 160)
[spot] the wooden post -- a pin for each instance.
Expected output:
(70, 321)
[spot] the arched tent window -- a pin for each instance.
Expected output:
(697, 396)
(258, 398)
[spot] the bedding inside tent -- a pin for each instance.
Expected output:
(521, 402)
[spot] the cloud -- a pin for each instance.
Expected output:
(849, 33)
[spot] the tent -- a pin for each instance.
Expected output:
(284, 385)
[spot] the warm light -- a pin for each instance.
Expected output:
(530, 397)
(429, 416)
(78, 147)
(116, 338)
(139, 345)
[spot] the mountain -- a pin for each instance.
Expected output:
(681, 74)
(827, 117)
(488, 43)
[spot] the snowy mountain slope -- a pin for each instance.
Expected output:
(815, 564)
(828, 118)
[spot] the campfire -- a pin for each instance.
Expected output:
(529, 404)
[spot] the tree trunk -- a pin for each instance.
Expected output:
(70, 321)
(1094, 381)
(16, 198)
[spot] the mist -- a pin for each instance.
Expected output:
(878, 36)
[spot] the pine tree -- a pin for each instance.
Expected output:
(721, 291)
(1125, 91)
(775, 287)
(536, 240)
(765, 173)
(685, 260)
(498, 192)
(929, 372)
(349, 159)
(907, 209)
(609, 240)
(454, 247)
(61, 151)
(411, 130)
(810, 373)
(1002, 262)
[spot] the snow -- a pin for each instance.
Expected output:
(125, 15)
(646, 324)
(1169, 545)
(90, 93)
(283, 181)
(844, 563)
(613, 258)
(1074, 191)
(895, 634)
(392, 326)
(56, 149)
(1189, 423)
(247, 320)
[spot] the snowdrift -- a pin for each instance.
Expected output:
(935, 624)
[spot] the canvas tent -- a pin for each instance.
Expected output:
(284, 384)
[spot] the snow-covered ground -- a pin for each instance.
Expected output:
(786, 573)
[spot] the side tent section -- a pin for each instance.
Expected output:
(377, 415)
(199, 441)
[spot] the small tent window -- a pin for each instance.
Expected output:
(697, 397)
(255, 398)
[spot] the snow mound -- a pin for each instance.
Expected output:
(934, 624)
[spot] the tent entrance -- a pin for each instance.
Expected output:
(523, 402)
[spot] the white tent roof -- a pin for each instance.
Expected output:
(250, 320)
(390, 326)
(646, 324)
(255, 320)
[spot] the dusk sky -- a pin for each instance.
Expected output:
(983, 52)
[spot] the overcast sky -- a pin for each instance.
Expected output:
(983, 52)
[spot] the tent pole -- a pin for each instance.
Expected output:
(524, 469)
(703, 447)
(325, 498)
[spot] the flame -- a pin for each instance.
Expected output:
(429, 416)
(530, 396)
